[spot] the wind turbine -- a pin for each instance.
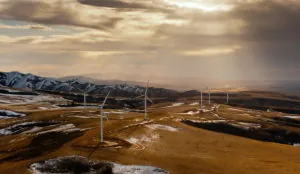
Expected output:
(201, 98)
(146, 99)
(84, 96)
(208, 95)
(101, 117)
(227, 97)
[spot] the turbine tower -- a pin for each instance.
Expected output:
(146, 98)
(201, 99)
(208, 95)
(227, 97)
(84, 96)
(101, 117)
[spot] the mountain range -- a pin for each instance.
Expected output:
(77, 85)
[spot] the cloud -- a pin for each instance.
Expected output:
(200, 5)
(26, 27)
(212, 51)
(56, 13)
(269, 21)
(242, 34)
(98, 55)
(113, 4)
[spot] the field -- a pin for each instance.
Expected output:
(179, 137)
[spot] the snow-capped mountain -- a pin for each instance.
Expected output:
(20, 80)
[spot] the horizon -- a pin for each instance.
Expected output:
(283, 86)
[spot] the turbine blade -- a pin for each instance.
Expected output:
(105, 98)
(78, 89)
(140, 96)
(149, 100)
(87, 87)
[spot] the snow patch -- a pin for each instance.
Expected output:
(292, 117)
(245, 115)
(177, 119)
(194, 104)
(245, 125)
(208, 121)
(162, 127)
(11, 90)
(83, 117)
(116, 112)
(216, 115)
(26, 127)
(190, 113)
(67, 128)
(174, 105)
(33, 130)
(43, 108)
(196, 112)
(193, 112)
(29, 99)
(143, 139)
(216, 107)
(131, 169)
(10, 114)
(137, 124)
(204, 110)
(234, 109)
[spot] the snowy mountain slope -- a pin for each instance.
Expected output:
(86, 79)
(20, 80)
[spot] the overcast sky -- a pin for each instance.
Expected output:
(160, 40)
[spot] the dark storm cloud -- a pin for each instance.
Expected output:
(112, 4)
(269, 21)
(54, 13)
(272, 35)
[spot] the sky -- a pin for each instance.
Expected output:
(171, 41)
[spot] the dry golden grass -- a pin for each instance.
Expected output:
(190, 150)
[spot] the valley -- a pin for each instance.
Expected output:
(179, 136)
